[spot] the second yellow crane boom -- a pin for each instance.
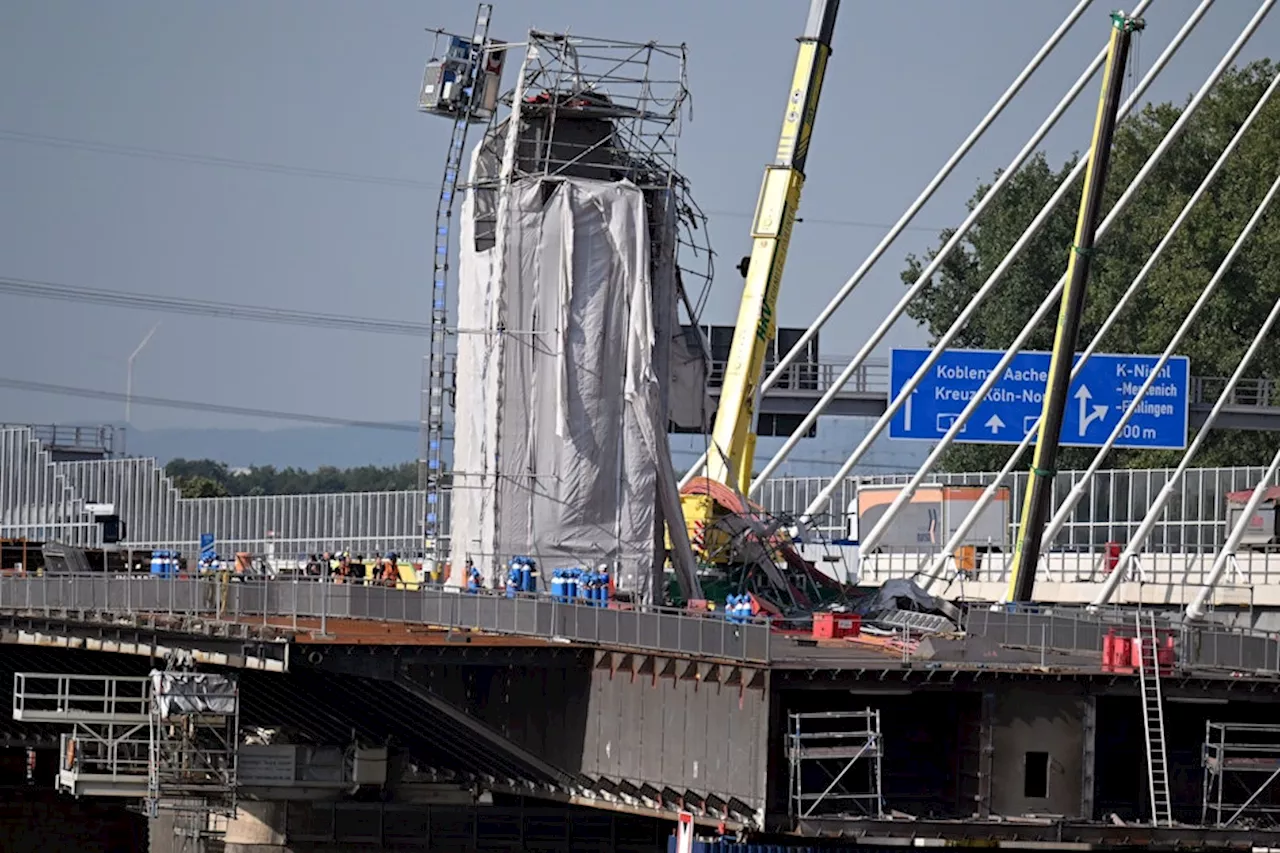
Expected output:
(733, 437)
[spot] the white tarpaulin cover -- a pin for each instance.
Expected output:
(559, 418)
(193, 693)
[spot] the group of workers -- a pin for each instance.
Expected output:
(342, 568)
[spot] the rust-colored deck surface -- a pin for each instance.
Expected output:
(368, 632)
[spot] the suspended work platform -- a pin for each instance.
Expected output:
(166, 737)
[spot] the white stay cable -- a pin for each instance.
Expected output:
(820, 502)
(935, 569)
(1078, 490)
(1073, 497)
(922, 281)
(1152, 517)
(1195, 610)
(926, 194)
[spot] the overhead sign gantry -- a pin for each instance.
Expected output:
(1096, 399)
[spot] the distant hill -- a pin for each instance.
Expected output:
(345, 447)
(297, 447)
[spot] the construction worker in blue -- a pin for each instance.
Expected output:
(474, 582)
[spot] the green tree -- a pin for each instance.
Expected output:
(1218, 339)
(200, 487)
(202, 478)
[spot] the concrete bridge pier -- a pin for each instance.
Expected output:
(258, 827)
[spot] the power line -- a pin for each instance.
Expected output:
(43, 140)
(197, 406)
(267, 414)
(227, 310)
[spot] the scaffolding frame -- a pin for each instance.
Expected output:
(629, 102)
(1239, 751)
(194, 721)
(168, 739)
(833, 744)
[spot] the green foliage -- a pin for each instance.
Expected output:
(200, 487)
(205, 478)
(1217, 340)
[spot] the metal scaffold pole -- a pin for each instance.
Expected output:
(431, 464)
(1026, 551)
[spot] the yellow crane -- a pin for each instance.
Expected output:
(733, 439)
(1035, 511)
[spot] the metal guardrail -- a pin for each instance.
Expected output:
(1200, 649)
(656, 629)
(104, 439)
(872, 377)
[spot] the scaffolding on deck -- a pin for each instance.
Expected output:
(1241, 764)
(835, 759)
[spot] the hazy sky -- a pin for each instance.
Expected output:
(331, 85)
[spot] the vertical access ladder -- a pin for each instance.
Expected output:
(1153, 720)
(430, 474)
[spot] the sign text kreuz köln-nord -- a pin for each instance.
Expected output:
(1095, 403)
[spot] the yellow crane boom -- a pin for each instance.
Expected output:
(733, 437)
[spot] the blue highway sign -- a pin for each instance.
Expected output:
(1096, 401)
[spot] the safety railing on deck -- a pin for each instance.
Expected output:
(309, 604)
(209, 598)
(1051, 631)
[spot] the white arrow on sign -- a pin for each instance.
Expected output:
(1084, 395)
(994, 424)
(906, 414)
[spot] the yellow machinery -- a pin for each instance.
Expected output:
(729, 462)
(1035, 511)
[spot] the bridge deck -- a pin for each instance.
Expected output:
(316, 612)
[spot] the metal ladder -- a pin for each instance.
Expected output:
(928, 623)
(1153, 720)
(430, 470)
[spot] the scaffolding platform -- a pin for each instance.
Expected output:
(1241, 765)
(167, 738)
(835, 759)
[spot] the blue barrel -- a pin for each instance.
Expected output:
(604, 589)
(530, 575)
(160, 563)
(575, 576)
(557, 585)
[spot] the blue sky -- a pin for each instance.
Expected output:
(331, 85)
